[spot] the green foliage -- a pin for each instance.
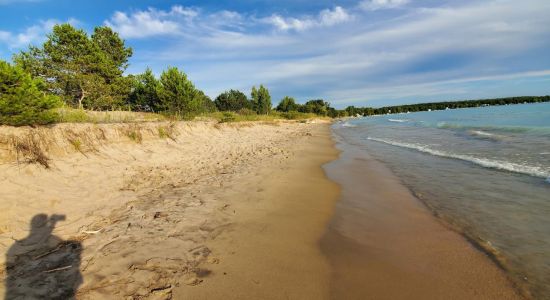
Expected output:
(22, 98)
(287, 104)
(144, 95)
(77, 144)
(113, 47)
(318, 107)
(261, 100)
(228, 116)
(294, 115)
(232, 100)
(84, 71)
(246, 112)
(72, 116)
(207, 105)
(134, 133)
(178, 95)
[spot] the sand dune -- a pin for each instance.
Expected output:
(147, 202)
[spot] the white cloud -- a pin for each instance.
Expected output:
(151, 22)
(381, 4)
(326, 17)
(367, 55)
(31, 35)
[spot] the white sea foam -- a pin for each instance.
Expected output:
(346, 124)
(398, 120)
(484, 162)
(486, 135)
(482, 133)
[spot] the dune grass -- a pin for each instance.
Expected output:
(228, 116)
(71, 115)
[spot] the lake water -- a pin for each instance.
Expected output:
(485, 171)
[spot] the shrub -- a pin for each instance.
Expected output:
(77, 144)
(227, 117)
(246, 112)
(167, 132)
(232, 100)
(23, 100)
(135, 136)
(292, 115)
(30, 150)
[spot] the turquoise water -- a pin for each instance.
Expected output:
(484, 170)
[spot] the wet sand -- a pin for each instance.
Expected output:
(384, 244)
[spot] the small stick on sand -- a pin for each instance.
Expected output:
(92, 231)
(58, 269)
(47, 253)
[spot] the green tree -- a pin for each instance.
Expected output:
(287, 104)
(207, 104)
(114, 48)
(84, 71)
(144, 95)
(178, 95)
(22, 98)
(319, 107)
(261, 100)
(232, 100)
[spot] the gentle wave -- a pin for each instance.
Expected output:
(486, 135)
(484, 162)
(346, 124)
(398, 120)
(511, 129)
(481, 133)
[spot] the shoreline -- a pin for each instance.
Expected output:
(388, 237)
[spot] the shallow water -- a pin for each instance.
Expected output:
(484, 170)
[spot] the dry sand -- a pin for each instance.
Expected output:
(206, 211)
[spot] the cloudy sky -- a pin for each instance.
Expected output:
(362, 52)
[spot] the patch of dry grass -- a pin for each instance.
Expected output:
(30, 149)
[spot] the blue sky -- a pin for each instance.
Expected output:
(362, 52)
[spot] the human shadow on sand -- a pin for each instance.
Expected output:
(43, 266)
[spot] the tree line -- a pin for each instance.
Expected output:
(368, 111)
(75, 70)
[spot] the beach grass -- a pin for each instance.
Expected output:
(71, 115)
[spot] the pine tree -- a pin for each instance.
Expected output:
(287, 104)
(145, 92)
(22, 98)
(178, 95)
(261, 100)
(84, 71)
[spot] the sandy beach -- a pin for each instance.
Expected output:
(198, 210)
(173, 216)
